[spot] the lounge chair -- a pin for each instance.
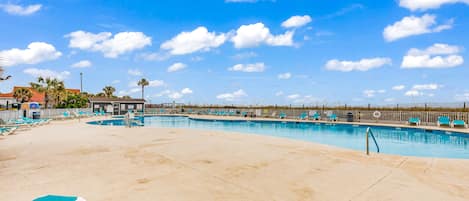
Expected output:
(7, 130)
(458, 123)
(414, 121)
(303, 116)
(333, 117)
(23, 122)
(244, 114)
(282, 115)
(274, 114)
(443, 121)
(59, 198)
(316, 116)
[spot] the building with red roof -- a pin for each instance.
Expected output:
(7, 98)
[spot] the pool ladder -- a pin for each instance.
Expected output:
(368, 133)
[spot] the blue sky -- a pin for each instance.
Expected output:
(244, 52)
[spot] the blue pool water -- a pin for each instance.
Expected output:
(400, 141)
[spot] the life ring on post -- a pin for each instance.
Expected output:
(377, 114)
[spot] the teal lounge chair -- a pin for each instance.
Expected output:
(303, 116)
(7, 130)
(316, 116)
(459, 123)
(333, 117)
(66, 115)
(244, 114)
(414, 120)
(59, 198)
(443, 121)
(282, 115)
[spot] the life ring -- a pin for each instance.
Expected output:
(377, 114)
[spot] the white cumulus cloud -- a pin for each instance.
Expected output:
(176, 67)
(427, 4)
(236, 95)
(15, 9)
(284, 76)
(104, 42)
(293, 96)
(248, 68)
(436, 56)
(156, 83)
(197, 40)
(46, 73)
(253, 35)
(417, 89)
(369, 93)
(35, 53)
(426, 86)
(361, 65)
(296, 21)
(134, 72)
(175, 94)
(398, 87)
(413, 93)
(186, 91)
(412, 25)
(82, 64)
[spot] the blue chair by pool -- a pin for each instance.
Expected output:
(333, 117)
(316, 116)
(414, 121)
(282, 115)
(59, 198)
(303, 116)
(459, 123)
(24, 122)
(244, 114)
(7, 130)
(443, 121)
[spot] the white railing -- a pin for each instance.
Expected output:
(426, 117)
(44, 113)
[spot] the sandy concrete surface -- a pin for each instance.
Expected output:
(147, 164)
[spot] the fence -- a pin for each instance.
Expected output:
(426, 117)
(45, 113)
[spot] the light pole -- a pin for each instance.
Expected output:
(81, 82)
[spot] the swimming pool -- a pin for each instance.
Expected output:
(400, 141)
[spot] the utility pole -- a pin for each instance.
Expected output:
(81, 82)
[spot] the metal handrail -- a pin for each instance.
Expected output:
(368, 132)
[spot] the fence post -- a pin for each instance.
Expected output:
(426, 118)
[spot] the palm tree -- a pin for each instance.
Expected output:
(23, 94)
(143, 82)
(59, 92)
(109, 91)
(51, 87)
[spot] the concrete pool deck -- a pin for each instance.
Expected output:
(106, 163)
